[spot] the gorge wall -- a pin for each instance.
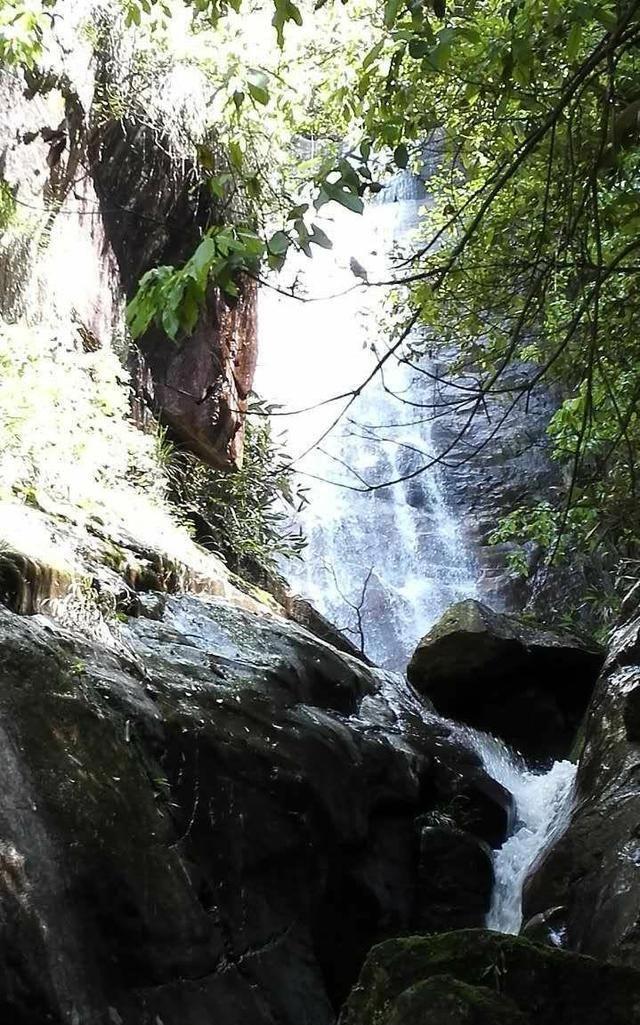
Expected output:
(99, 201)
(208, 812)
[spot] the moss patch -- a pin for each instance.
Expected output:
(551, 987)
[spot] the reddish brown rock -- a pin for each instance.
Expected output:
(156, 209)
(200, 387)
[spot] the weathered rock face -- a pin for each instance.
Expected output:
(156, 209)
(511, 466)
(482, 978)
(529, 686)
(98, 206)
(212, 820)
(592, 871)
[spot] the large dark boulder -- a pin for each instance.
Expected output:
(474, 977)
(527, 685)
(592, 873)
(455, 880)
(212, 819)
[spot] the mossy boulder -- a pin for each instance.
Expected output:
(528, 685)
(444, 1000)
(462, 978)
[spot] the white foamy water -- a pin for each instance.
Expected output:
(405, 540)
(543, 803)
(398, 553)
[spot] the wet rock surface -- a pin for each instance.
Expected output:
(455, 880)
(593, 870)
(214, 818)
(473, 977)
(510, 467)
(527, 685)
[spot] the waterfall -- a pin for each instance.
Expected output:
(383, 564)
(543, 803)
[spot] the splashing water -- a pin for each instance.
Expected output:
(543, 803)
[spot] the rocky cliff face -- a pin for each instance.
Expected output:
(98, 202)
(591, 876)
(216, 818)
(155, 208)
(503, 462)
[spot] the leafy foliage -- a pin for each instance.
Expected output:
(173, 298)
(247, 509)
(23, 27)
(64, 426)
(531, 251)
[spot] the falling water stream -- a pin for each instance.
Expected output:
(383, 563)
(543, 802)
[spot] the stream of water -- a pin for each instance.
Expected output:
(543, 802)
(383, 563)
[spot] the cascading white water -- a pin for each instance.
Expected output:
(382, 564)
(402, 542)
(543, 802)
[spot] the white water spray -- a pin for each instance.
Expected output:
(403, 540)
(543, 802)
(382, 563)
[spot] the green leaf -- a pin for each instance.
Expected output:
(285, 11)
(258, 85)
(373, 55)
(401, 156)
(319, 238)
(418, 47)
(574, 40)
(203, 256)
(391, 9)
(275, 262)
(297, 211)
(217, 184)
(235, 155)
(258, 93)
(348, 199)
(607, 17)
(170, 322)
(278, 244)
